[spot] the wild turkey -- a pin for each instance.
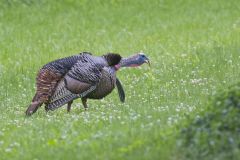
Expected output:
(71, 88)
(82, 67)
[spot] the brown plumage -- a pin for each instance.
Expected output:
(46, 83)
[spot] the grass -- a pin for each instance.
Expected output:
(194, 51)
(214, 134)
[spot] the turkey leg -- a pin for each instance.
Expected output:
(84, 102)
(69, 106)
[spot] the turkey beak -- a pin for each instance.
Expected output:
(148, 62)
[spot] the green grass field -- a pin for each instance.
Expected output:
(194, 47)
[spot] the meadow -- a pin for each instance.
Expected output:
(194, 51)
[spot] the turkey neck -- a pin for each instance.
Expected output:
(127, 62)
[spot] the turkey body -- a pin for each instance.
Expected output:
(79, 73)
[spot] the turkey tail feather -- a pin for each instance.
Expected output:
(32, 108)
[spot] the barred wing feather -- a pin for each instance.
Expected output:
(81, 80)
